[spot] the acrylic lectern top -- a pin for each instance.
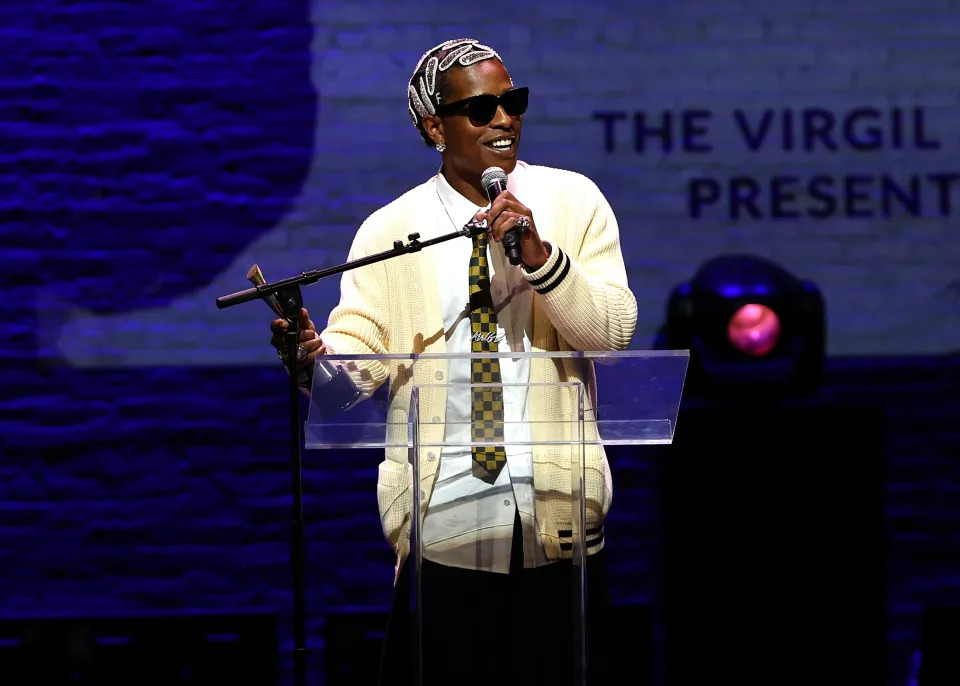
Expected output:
(633, 399)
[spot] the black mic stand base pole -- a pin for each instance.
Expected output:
(291, 301)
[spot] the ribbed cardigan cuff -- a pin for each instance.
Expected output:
(551, 273)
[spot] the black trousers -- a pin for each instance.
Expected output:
(488, 628)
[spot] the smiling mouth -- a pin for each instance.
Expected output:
(501, 144)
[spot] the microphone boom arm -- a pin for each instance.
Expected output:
(266, 290)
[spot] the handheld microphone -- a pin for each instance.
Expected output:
(494, 182)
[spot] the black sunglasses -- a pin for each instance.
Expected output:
(482, 108)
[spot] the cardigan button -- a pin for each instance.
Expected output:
(438, 376)
(436, 420)
(431, 456)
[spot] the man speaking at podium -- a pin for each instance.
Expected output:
(547, 275)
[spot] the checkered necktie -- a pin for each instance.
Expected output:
(487, 422)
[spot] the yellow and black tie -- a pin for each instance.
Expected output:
(487, 421)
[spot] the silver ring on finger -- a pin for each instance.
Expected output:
(523, 222)
(301, 353)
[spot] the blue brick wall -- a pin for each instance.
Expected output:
(824, 138)
(153, 151)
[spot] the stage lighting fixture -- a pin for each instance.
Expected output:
(749, 325)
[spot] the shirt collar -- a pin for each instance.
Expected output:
(458, 207)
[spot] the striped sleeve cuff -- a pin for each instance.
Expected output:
(551, 273)
(594, 537)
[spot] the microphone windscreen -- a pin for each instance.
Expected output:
(494, 181)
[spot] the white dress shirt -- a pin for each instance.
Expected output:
(468, 522)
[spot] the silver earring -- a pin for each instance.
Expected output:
(441, 146)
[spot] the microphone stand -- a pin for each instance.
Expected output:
(284, 297)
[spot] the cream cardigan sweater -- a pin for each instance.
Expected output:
(581, 302)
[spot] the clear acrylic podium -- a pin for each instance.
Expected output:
(417, 408)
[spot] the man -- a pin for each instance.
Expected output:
(500, 523)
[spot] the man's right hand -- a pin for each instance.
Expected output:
(309, 338)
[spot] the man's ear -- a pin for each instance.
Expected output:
(434, 127)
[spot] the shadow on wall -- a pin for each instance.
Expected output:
(150, 158)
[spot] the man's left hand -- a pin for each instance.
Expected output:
(506, 214)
